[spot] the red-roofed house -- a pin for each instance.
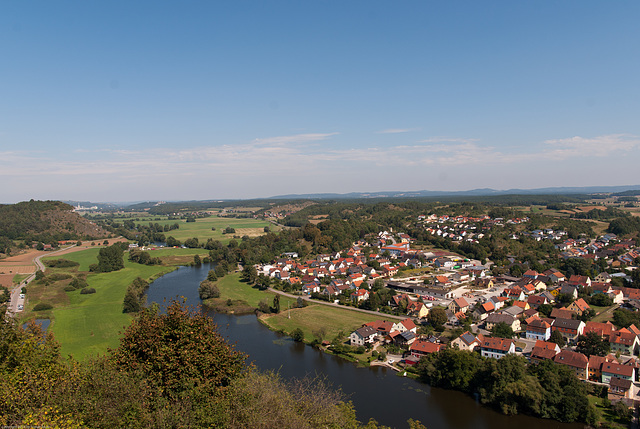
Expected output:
(459, 304)
(421, 348)
(578, 306)
(544, 350)
(493, 347)
(576, 361)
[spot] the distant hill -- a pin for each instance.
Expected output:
(586, 190)
(45, 221)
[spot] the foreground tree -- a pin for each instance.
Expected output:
(178, 351)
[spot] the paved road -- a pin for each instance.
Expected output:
(16, 291)
(343, 307)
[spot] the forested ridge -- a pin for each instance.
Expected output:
(43, 221)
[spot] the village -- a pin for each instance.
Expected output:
(546, 314)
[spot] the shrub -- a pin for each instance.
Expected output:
(87, 290)
(69, 288)
(59, 276)
(208, 290)
(42, 306)
(297, 335)
(61, 263)
(78, 283)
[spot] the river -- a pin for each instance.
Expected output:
(376, 392)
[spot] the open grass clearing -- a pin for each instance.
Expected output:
(319, 321)
(243, 296)
(202, 227)
(90, 324)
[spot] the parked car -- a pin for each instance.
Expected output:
(20, 307)
(21, 296)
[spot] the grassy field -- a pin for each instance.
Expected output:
(89, 324)
(19, 277)
(202, 228)
(316, 318)
(243, 296)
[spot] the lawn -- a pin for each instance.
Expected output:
(202, 228)
(83, 257)
(319, 321)
(606, 415)
(604, 313)
(231, 287)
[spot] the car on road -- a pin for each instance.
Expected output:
(20, 307)
(390, 361)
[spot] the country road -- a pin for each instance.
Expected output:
(15, 293)
(343, 307)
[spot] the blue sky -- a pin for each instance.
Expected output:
(132, 100)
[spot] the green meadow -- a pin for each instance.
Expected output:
(244, 297)
(319, 321)
(202, 228)
(89, 324)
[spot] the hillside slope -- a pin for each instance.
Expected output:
(45, 221)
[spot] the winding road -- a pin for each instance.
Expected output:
(16, 301)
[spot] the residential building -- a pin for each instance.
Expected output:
(576, 361)
(497, 348)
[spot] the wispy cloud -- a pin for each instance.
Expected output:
(597, 146)
(396, 130)
(297, 138)
(269, 162)
(442, 139)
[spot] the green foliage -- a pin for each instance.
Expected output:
(625, 225)
(4, 294)
(229, 230)
(297, 335)
(592, 344)
(437, 317)
(276, 304)
(601, 300)
(42, 306)
(142, 257)
(510, 385)
(169, 371)
(39, 275)
(60, 263)
(111, 258)
(623, 318)
(502, 330)
(208, 289)
(134, 296)
(78, 283)
(59, 276)
(178, 351)
(192, 243)
(32, 220)
(87, 290)
(556, 337)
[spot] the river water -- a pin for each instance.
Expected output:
(376, 392)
